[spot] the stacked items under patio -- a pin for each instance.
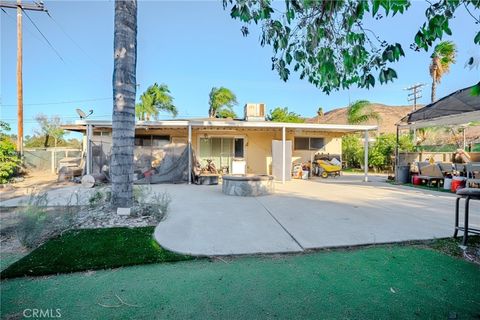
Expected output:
(207, 175)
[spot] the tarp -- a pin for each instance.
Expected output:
(457, 108)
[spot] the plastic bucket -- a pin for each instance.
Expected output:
(305, 175)
(457, 183)
(416, 180)
(447, 184)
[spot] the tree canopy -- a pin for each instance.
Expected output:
(443, 57)
(327, 43)
(50, 127)
(283, 115)
(155, 99)
(360, 112)
(221, 102)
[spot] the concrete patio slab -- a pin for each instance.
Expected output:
(301, 215)
(204, 221)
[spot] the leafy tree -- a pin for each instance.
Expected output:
(283, 115)
(382, 152)
(352, 150)
(221, 102)
(124, 89)
(327, 43)
(50, 128)
(9, 159)
(155, 99)
(442, 57)
(360, 112)
(226, 113)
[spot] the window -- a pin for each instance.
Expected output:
(308, 143)
(102, 133)
(239, 148)
(301, 144)
(152, 141)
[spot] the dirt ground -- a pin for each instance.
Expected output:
(38, 181)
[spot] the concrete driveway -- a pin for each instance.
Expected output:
(304, 215)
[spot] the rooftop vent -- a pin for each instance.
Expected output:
(255, 112)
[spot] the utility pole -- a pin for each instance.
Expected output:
(36, 6)
(415, 93)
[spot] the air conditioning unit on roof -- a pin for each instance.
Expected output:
(255, 112)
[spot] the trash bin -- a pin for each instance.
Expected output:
(402, 174)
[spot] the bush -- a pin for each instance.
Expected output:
(9, 160)
(381, 153)
(352, 150)
(39, 223)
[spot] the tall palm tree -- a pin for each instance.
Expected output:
(155, 99)
(124, 89)
(442, 58)
(221, 99)
(361, 111)
(319, 114)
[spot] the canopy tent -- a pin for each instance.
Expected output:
(458, 108)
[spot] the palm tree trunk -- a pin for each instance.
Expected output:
(434, 89)
(124, 89)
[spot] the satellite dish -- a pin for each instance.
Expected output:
(82, 114)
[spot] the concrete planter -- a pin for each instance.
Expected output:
(248, 185)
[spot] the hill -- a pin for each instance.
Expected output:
(389, 116)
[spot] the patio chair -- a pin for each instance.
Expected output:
(459, 169)
(473, 174)
(430, 174)
(446, 168)
(467, 194)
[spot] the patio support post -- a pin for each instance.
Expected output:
(283, 154)
(89, 149)
(365, 166)
(189, 145)
(397, 162)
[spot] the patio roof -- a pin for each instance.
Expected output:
(80, 125)
(458, 108)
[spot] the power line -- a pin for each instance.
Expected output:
(58, 102)
(71, 38)
(44, 37)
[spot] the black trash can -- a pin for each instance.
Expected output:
(402, 174)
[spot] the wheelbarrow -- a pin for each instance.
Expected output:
(326, 169)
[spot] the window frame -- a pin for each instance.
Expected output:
(309, 139)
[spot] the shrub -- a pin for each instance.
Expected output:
(352, 150)
(9, 160)
(38, 223)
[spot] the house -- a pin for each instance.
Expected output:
(249, 145)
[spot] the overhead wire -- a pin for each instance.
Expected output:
(44, 37)
(57, 102)
(70, 38)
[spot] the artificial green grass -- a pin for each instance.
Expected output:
(92, 249)
(387, 282)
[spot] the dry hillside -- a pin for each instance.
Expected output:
(389, 116)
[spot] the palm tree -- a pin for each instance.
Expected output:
(124, 89)
(319, 114)
(361, 111)
(221, 99)
(442, 58)
(155, 99)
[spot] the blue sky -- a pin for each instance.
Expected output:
(191, 46)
